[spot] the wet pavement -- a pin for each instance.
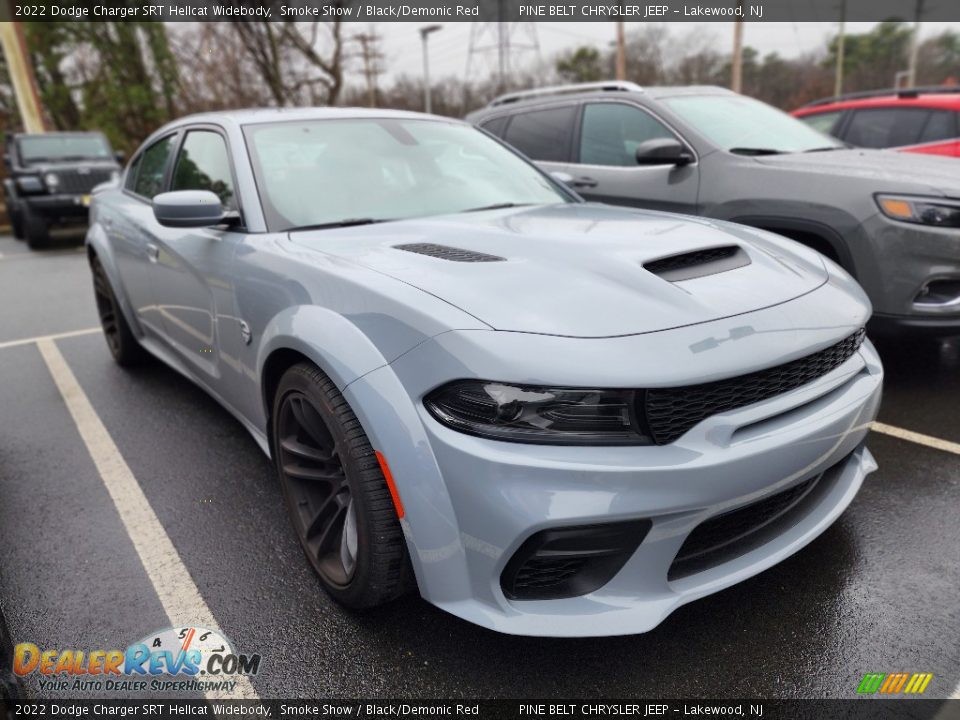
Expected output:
(878, 592)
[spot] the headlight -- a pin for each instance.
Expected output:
(923, 211)
(541, 415)
(51, 180)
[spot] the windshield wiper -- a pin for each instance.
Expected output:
(348, 222)
(825, 148)
(496, 206)
(755, 151)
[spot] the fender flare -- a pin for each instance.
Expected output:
(784, 225)
(98, 244)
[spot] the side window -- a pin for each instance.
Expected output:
(130, 181)
(152, 163)
(204, 164)
(940, 126)
(495, 126)
(611, 132)
(825, 122)
(543, 134)
(886, 127)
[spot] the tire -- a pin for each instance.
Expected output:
(336, 494)
(36, 229)
(121, 341)
(16, 223)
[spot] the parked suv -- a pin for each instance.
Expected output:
(50, 177)
(920, 120)
(891, 219)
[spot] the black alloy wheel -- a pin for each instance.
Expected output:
(120, 339)
(338, 499)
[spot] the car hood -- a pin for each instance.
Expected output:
(72, 166)
(933, 174)
(578, 269)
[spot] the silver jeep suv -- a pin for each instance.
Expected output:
(891, 219)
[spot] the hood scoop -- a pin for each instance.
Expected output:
(698, 263)
(445, 252)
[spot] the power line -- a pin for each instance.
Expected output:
(372, 57)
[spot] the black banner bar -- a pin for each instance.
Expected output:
(859, 709)
(366, 11)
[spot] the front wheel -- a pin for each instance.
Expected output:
(16, 222)
(36, 228)
(336, 493)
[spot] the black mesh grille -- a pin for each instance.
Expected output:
(540, 573)
(670, 412)
(445, 252)
(690, 259)
(72, 181)
(734, 533)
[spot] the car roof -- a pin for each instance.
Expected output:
(937, 101)
(568, 92)
(252, 116)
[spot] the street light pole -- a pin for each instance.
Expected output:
(424, 34)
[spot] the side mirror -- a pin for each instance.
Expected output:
(188, 209)
(120, 156)
(663, 151)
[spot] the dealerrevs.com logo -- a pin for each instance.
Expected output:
(190, 659)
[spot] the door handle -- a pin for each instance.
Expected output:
(153, 252)
(584, 182)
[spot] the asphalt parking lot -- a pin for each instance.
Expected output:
(878, 592)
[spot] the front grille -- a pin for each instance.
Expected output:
(734, 533)
(445, 252)
(540, 574)
(72, 181)
(670, 412)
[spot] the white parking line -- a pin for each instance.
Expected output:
(56, 336)
(918, 438)
(170, 578)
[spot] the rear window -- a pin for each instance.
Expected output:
(543, 134)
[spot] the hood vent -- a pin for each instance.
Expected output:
(445, 252)
(699, 263)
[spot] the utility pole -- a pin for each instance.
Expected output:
(841, 39)
(736, 66)
(424, 35)
(621, 51)
(21, 75)
(914, 46)
(370, 52)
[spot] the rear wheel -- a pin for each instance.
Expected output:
(338, 499)
(36, 229)
(120, 338)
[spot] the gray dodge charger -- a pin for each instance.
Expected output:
(549, 417)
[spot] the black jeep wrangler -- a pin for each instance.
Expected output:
(49, 179)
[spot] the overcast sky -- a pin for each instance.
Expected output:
(449, 47)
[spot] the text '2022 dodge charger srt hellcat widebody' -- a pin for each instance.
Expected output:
(550, 417)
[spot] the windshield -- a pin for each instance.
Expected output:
(741, 124)
(40, 148)
(317, 172)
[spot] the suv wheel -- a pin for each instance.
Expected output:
(16, 222)
(36, 229)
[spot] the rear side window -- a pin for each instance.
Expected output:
(543, 134)
(204, 164)
(825, 122)
(942, 125)
(611, 133)
(888, 127)
(150, 168)
(496, 126)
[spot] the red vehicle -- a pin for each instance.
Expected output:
(921, 120)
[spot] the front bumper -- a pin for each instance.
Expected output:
(898, 264)
(471, 502)
(63, 207)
